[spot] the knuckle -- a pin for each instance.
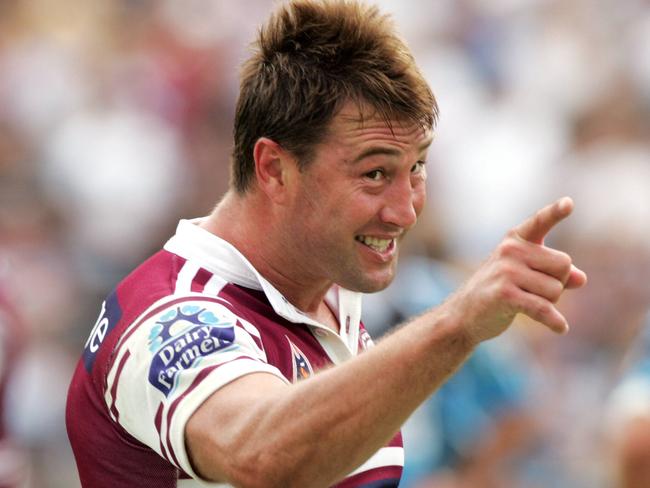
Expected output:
(506, 292)
(509, 247)
(506, 273)
(542, 308)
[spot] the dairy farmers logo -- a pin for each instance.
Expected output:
(182, 337)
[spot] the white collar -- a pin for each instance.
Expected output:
(223, 259)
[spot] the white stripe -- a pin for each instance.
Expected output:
(214, 285)
(386, 456)
(185, 277)
(197, 484)
(250, 328)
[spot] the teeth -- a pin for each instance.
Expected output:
(377, 244)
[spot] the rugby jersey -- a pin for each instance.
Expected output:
(190, 319)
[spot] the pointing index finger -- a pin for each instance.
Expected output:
(535, 228)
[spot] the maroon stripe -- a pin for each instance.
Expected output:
(158, 423)
(200, 279)
(199, 378)
(120, 367)
(378, 474)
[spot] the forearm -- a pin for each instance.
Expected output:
(316, 432)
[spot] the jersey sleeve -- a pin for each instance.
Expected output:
(171, 360)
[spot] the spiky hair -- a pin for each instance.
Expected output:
(310, 58)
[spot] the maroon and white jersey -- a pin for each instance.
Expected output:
(189, 320)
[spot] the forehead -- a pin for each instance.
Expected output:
(356, 125)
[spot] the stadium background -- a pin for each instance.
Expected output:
(115, 122)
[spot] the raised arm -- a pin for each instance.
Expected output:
(257, 431)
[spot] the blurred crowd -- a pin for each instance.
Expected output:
(115, 121)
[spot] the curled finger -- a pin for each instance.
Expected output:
(541, 284)
(543, 311)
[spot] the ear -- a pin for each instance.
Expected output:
(273, 168)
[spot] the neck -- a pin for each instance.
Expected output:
(251, 224)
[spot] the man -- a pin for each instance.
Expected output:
(231, 355)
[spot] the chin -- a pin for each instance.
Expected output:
(367, 284)
(374, 289)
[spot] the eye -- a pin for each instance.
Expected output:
(375, 174)
(418, 167)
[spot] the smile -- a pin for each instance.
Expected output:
(379, 245)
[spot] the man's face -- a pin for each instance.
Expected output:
(355, 201)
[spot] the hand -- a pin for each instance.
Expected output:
(521, 276)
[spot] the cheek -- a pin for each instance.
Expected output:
(318, 217)
(308, 203)
(419, 199)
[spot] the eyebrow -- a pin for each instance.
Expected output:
(387, 151)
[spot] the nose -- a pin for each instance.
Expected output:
(403, 204)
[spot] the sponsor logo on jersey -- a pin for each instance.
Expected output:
(109, 316)
(182, 336)
(301, 366)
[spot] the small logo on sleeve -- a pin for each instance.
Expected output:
(301, 366)
(109, 316)
(182, 336)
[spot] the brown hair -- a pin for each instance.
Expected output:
(310, 58)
